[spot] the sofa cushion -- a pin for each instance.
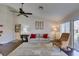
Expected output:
(33, 36)
(45, 35)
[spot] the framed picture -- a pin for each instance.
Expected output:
(17, 27)
(39, 25)
(1, 30)
(1, 33)
(1, 25)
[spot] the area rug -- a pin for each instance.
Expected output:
(27, 49)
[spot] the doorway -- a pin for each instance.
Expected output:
(76, 34)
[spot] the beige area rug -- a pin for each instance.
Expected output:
(28, 49)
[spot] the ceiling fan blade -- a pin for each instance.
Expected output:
(18, 14)
(25, 15)
(20, 9)
(14, 11)
(28, 13)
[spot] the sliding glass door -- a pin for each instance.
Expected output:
(65, 27)
(68, 27)
(76, 34)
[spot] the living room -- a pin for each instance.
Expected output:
(39, 24)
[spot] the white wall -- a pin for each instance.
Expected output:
(6, 19)
(29, 23)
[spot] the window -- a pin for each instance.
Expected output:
(65, 27)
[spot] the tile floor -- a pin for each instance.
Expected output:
(5, 49)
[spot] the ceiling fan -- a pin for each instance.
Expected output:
(22, 12)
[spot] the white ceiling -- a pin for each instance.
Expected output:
(51, 11)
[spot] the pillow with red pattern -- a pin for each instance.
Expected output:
(45, 35)
(33, 36)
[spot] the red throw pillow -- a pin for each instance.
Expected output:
(45, 35)
(33, 36)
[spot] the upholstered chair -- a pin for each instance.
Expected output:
(62, 42)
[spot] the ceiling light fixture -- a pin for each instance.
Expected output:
(41, 7)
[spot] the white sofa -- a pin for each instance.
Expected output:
(38, 40)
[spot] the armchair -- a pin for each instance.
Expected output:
(63, 41)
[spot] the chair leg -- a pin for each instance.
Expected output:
(60, 49)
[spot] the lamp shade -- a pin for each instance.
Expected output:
(55, 28)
